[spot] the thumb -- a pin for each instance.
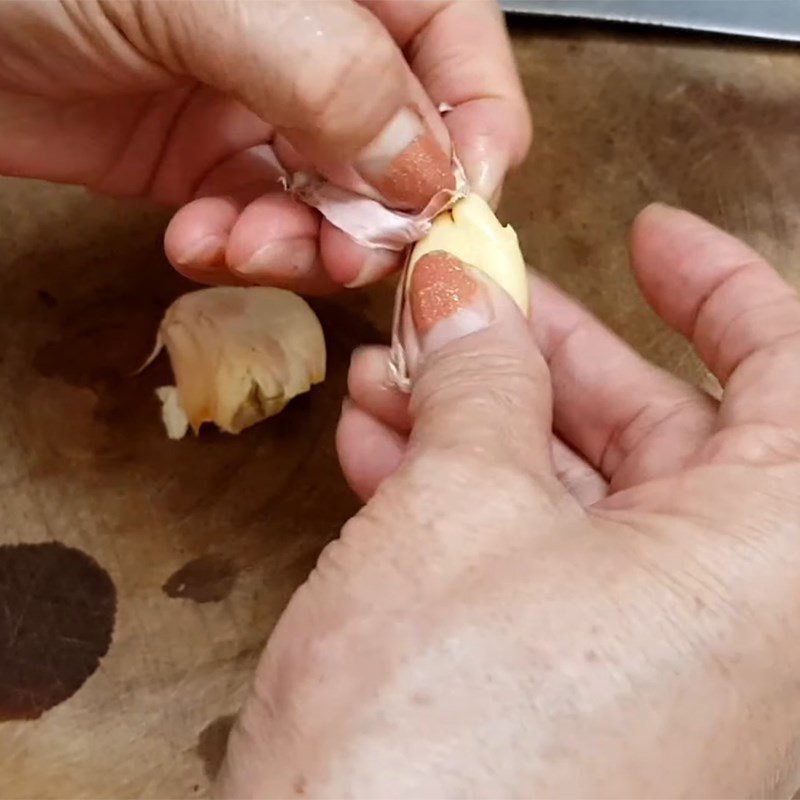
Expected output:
(327, 75)
(480, 385)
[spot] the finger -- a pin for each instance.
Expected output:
(278, 241)
(629, 419)
(480, 386)
(369, 451)
(328, 76)
(349, 264)
(370, 386)
(275, 242)
(346, 261)
(197, 236)
(741, 316)
(461, 53)
(583, 482)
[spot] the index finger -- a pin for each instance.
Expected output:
(741, 316)
(460, 52)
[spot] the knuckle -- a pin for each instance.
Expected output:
(345, 97)
(754, 444)
(473, 492)
(687, 414)
(496, 380)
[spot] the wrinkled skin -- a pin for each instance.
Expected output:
(189, 102)
(507, 617)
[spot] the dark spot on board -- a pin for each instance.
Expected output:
(46, 299)
(207, 579)
(212, 743)
(90, 363)
(57, 609)
(100, 343)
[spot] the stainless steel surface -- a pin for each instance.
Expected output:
(764, 19)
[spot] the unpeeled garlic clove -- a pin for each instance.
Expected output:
(239, 355)
(471, 232)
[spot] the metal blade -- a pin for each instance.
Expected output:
(763, 19)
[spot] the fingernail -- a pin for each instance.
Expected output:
(488, 181)
(405, 163)
(204, 253)
(447, 303)
(377, 263)
(659, 206)
(287, 258)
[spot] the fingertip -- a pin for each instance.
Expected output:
(659, 207)
(657, 244)
(196, 238)
(406, 162)
(366, 364)
(369, 384)
(655, 214)
(349, 263)
(369, 451)
(292, 264)
(274, 242)
(668, 229)
(271, 217)
(671, 246)
(491, 137)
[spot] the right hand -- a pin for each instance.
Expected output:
(487, 626)
(188, 102)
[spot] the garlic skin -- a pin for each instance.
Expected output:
(369, 222)
(472, 233)
(239, 355)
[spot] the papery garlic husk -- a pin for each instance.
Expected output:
(369, 222)
(472, 233)
(239, 355)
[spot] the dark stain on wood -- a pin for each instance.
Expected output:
(207, 579)
(57, 611)
(212, 743)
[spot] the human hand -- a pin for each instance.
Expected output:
(189, 103)
(489, 626)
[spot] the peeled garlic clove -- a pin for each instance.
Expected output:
(238, 356)
(471, 232)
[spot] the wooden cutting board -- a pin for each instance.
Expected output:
(135, 637)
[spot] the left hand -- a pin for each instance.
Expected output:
(187, 102)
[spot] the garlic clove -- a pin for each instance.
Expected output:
(471, 232)
(239, 355)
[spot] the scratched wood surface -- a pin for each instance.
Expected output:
(205, 540)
